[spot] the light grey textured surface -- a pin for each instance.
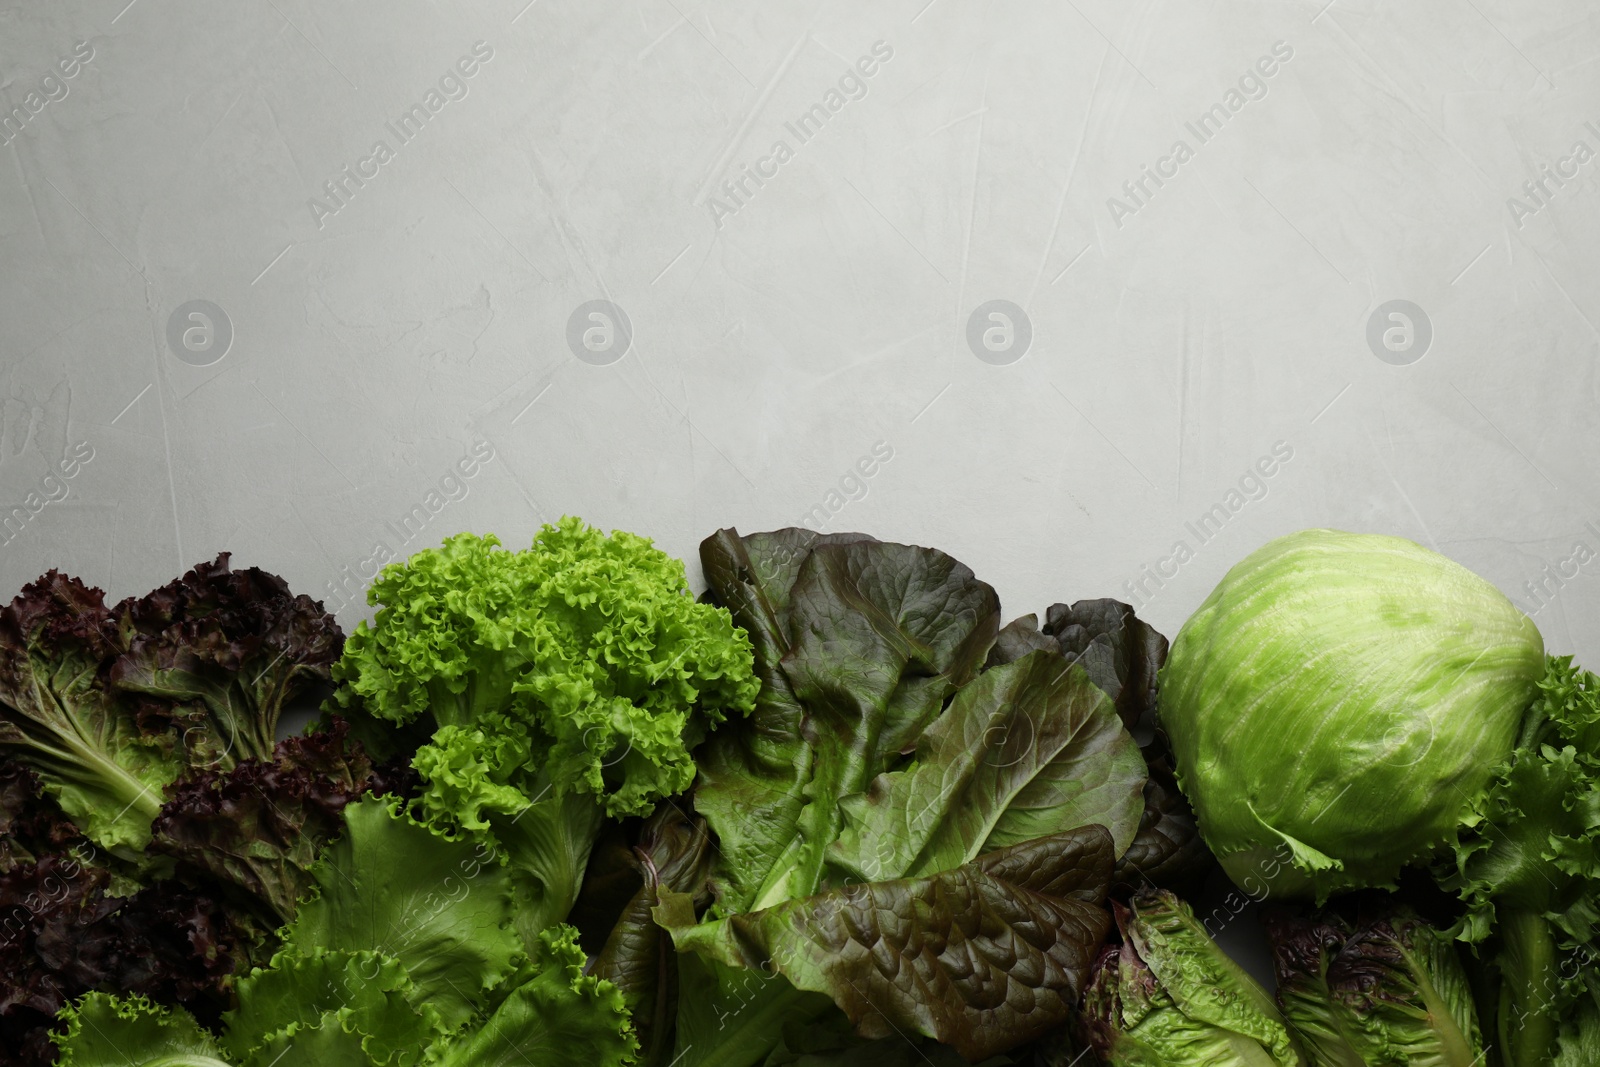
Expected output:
(781, 332)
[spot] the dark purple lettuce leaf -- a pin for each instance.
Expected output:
(984, 957)
(104, 765)
(1167, 852)
(255, 831)
(610, 880)
(1017, 638)
(63, 935)
(31, 824)
(219, 653)
(1121, 652)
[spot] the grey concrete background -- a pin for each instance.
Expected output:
(779, 333)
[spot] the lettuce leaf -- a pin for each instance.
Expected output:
(558, 1017)
(105, 767)
(588, 644)
(858, 644)
(982, 957)
(1123, 656)
(109, 1031)
(1578, 1042)
(1167, 852)
(32, 825)
(1169, 997)
(881, 749)
(441, 908)
(256, 830)
(365, 999)
(66, 928)
(1121, 652)
(1383, 990)
(1527, 864)
(673, 856)
(1026, 750)
(405, 955)
(110, 705)
(218, 654)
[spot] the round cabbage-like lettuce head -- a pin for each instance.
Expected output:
(1337, 702)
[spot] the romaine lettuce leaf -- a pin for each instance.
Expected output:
(858, 643)
(1380, 990)
(982, 957)
(1169, 997)
(1025, 750)
(673, 856)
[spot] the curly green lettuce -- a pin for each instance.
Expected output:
(561, 684)
(1528, 866)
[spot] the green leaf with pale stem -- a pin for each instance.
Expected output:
(57, 716)
(1170, 997)
(1374, 990)
(1527, 865)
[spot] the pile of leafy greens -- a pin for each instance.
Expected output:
(559, 810)
(1378, 710)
